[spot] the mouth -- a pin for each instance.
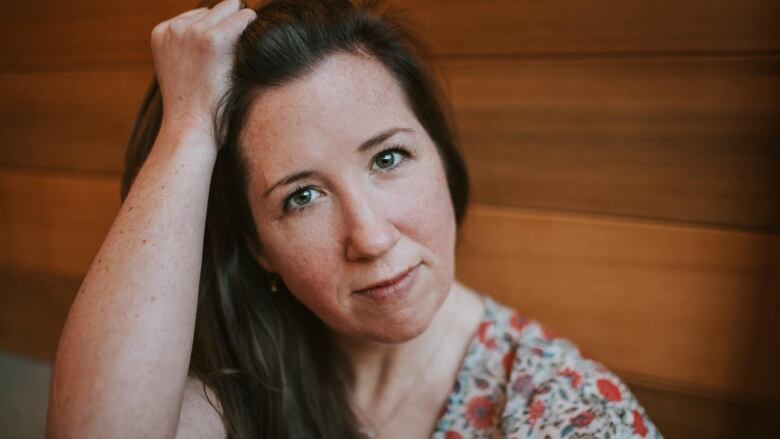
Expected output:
(391, 288)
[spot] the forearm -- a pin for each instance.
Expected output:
(123, 356)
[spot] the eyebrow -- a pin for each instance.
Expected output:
(366, 145)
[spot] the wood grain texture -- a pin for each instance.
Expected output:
(682, 139)
(72, 121)
(692, 140)
(502, 27)
(682, 304)
(683, 414)
(51, 33)
(34, 309)
(54, 224)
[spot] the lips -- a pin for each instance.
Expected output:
(387, 282)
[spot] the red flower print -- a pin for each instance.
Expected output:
(483, 327)
(537, 410)
(490, 343)
(608, 390)
(548, 333)
(583, 419)
(453, 435)
(518, 322)
(480, 411)
(573, 376)
(508, 361)
(639, 424)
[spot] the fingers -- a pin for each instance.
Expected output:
(240, 20)
(218, 13)
(218, 24)
(179, 22)
(190, 13)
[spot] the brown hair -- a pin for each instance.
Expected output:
(271, 362)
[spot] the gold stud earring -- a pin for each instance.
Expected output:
(274, 283)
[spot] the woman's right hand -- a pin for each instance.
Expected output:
(193, 55)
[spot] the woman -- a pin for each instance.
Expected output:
(283, 261)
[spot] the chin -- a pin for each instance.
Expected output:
(405, 327)
(401, 333)
(385, 332)
(397, 324)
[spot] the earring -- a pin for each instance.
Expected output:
(274, 283)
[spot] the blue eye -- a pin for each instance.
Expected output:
(389, 158)
(301, 198)
(385, 161)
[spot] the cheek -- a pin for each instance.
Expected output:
(431, 220)
(437, 215)
(298, 257)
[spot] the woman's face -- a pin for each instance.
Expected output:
(336, 213)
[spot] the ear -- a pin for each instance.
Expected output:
(259, 254)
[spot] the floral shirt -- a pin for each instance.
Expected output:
(519, 380)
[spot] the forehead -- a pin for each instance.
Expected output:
(345, 100)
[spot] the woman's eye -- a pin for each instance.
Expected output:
(301, 198)
(388, 159)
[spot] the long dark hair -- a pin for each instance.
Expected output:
(271, 362)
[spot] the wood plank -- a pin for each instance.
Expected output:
(34, 309)
(76, 121)
(681, 139)
(680, 414)
(682, 304)
(51, 33)
(501, 27)
(54, 224)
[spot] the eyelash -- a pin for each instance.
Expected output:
(405, 153)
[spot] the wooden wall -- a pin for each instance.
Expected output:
(625, 158)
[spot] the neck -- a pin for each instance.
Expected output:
(381, 370)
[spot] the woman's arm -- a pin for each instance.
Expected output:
(199, 417)
(123, 355)
(122, 362)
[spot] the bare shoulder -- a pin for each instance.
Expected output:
(199, 419)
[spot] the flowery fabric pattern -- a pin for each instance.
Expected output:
(519, 380)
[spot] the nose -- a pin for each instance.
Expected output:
(369, 231)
